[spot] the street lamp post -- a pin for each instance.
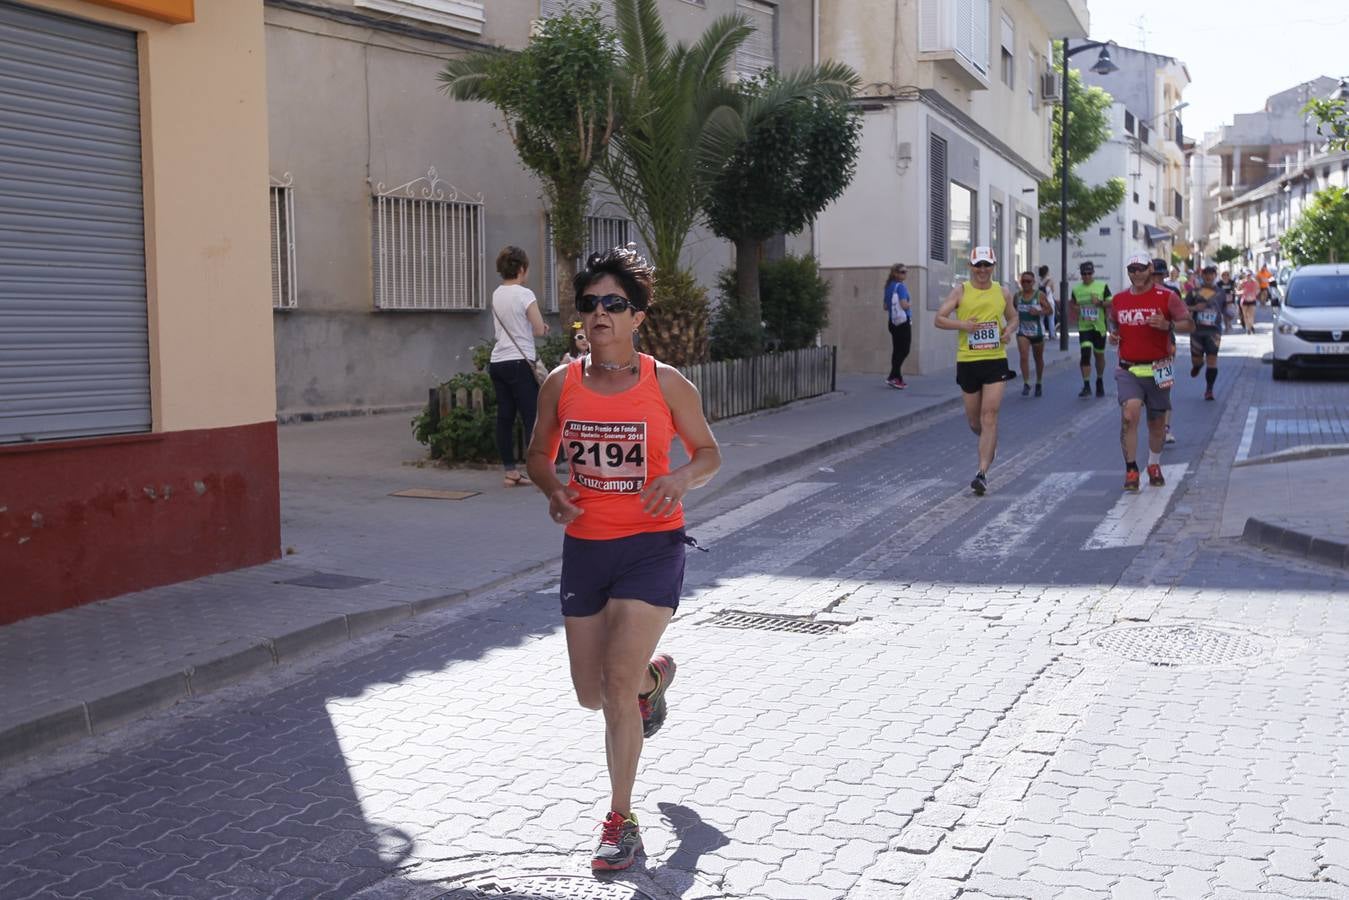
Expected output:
(1103, 66)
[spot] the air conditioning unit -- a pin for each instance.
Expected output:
(1051, 86)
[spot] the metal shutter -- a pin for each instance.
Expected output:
(759, 51)
(74, 345)
(550, 8)
(939, 198)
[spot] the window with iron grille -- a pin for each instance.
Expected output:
(938, 198)
(1128, 121)
(428, 248)
(282, 206)
(760, 49)
(602, 233)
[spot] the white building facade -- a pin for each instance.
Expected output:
(955, 142)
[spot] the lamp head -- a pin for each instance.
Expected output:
(1104, 64)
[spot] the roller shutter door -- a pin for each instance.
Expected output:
(74, 346)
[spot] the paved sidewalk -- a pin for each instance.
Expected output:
(383, 559)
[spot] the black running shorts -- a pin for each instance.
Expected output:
(972, 376)
(1093, 337)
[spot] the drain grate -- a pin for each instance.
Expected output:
(547, 887)
(1180, 644)
(772, 622)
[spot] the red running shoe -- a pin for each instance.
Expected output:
(653, 705)
(620, 840)
(1131, 479)
(1155, 476)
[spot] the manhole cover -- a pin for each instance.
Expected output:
(772, 622)
(427, 494)
(547, 887)
(1180, 644)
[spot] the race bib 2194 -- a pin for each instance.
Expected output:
(606, 456)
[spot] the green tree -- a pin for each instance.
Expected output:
(1322, 234)
(790, 146)
(557, 96)
(1088, 128)
(1226, 254)
(1333, 115)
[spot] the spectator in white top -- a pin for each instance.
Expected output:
(517, 321)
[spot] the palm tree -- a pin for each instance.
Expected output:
(557, 96)
(681, 122)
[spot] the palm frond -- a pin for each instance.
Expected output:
(715, 50)
(465, 78)
(641, 35)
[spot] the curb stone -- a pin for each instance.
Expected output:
(1286, 539)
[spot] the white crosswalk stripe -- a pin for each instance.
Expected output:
(1134, 516)
(1004, 533)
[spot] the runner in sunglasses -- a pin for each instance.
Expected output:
(615, 414)
(985, 317)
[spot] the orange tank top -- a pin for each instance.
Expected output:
(614, 445)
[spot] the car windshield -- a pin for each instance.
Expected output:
(1318, 290)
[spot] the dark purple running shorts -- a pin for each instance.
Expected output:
(648, 566)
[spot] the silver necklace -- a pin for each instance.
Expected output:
(630, 365)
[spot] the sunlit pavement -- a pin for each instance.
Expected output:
(1051, 691)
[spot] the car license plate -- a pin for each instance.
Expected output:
(1332, 348)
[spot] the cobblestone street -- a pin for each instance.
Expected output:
(1051, 691)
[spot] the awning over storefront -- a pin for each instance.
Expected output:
(1155, 234)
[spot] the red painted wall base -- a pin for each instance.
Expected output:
(89, 519)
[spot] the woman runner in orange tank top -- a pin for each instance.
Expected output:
(615, 414)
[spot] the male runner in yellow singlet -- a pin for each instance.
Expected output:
(985, 316)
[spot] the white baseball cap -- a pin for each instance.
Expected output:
(1139, 259)
(982, 254)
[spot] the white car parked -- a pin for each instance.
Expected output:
(1311, 327)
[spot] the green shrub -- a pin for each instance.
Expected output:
(734, 336)
(795, 303)
(465, 434)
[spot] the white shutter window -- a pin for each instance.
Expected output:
(980, 35)
(1008, 35)
(760, 49)
(964, 32)
(428, 248)
(934, 17)
(282, 206)
(550, 8)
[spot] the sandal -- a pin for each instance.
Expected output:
(515, 479)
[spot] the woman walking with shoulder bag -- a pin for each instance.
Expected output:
(517, 321)
(899, 323)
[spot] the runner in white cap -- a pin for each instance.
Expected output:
(985, 316)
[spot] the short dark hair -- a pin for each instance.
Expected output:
(511, 261)
(626, 266)
(1087, 266)
(1028, 272)
(1043, 270)
(1210, 268)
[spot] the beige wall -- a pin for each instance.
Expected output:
(204, 144)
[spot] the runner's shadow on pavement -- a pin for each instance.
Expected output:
(679, 873)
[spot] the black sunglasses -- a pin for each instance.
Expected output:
(612, 303)
(983, 265)
(1138, 269)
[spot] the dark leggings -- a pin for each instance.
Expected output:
(516, 391)
(901, 339)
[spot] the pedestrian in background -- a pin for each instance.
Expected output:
(517, 321)
(615, 413)
(899, 322)
(578, 345)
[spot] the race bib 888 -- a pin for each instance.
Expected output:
(607, 456)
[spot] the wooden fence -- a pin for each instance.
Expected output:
(733, 387)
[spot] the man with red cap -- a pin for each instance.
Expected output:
(1141, 320)
(986, 317)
